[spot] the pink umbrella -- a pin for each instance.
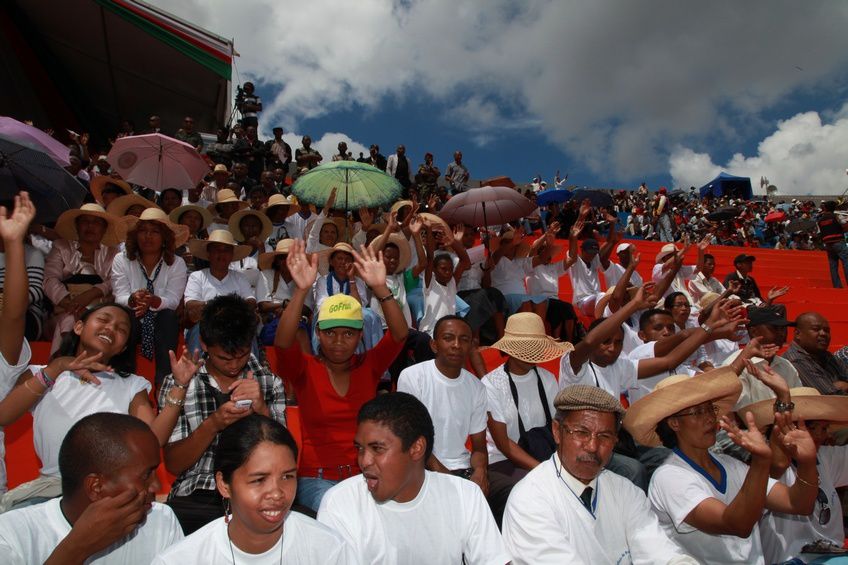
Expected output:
(34, 138)
(157, 161)
(486, 206)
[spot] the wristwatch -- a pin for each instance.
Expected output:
(783, 406)
(707, 328)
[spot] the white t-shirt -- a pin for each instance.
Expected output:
(616, 378)
(544, 279)
(677, 488)
(614, 272)
(29, 535)
(8, 376)
(204, 287)
(584, 279)
(472, 278)
(439, 301)
(448, 519)
(680, 282)
(304, 540)
(784, 535)
(457, 407)
(249, 267)
(508, 275)
(69, 401)
(645, 386)
(545, 523)
(502, 408)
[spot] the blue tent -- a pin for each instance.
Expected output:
(728, 185)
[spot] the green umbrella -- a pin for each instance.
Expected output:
(359, 186)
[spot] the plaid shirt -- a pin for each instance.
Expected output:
(199, 405)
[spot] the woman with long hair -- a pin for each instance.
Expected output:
(256, 474)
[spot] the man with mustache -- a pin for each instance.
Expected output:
(569, 509)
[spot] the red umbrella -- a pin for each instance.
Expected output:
(157, 161)
(776, 216)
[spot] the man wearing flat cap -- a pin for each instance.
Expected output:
(569, 509)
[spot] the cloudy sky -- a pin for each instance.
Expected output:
(610, 92)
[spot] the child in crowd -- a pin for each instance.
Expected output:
(560, 316)
(441, 277)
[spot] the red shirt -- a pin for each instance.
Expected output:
(327, 420)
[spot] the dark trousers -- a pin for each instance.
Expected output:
(416, 350)
(503, 475)
(197, 509)
(166, 328)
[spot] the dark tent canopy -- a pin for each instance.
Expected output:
(86, 65)
(728, 185)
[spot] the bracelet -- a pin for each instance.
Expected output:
(707, 328)
(171, 401)
(386, 298)
(783, 406)
(46, 381)
(803, 482)
(29, 388)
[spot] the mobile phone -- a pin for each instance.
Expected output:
(244, 403)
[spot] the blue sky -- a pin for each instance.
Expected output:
(666, 91)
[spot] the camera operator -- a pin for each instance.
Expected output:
(249, 104)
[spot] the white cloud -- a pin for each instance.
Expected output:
(327, 145)
(614, 84)
(802, 156)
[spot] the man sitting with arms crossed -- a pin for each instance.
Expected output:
(456, 400)
(399, 512)
(570, 510)
(106, 515)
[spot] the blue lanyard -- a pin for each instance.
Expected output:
(580, 500)
(344, 286)
(721, 486)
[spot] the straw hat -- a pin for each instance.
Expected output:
(158, 215)
(679, 392)
(340, 224)
(198, 247)
(235, 224)
(66, 225)
(266, 260)
(667, 249)
(205, 215)
(810, 404)
(324, 256)
(403, 247)
(400, 204)
(433, 221)
(225, 196)
(120, 205)
(525, 339)
(99, 183)
(280, 200)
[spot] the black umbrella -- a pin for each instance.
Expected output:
(801, 224)
(597, 198)
(52, 189)
(723, 214)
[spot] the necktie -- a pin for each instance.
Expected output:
(147, 319)
(586, 498)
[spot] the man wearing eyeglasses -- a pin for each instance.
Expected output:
(569, 509)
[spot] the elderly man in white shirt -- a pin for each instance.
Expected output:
(704, 281)
(569, 509)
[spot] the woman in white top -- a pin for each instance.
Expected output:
(509, 265)
(149, 278)
(325, 232)
(520, 400)
(256, 473)
(91, 372)
(710, 504)
(681, 309)
(544, 280)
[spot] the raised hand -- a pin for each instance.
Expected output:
(330, 201)
(577, 229)
(185, 368)
(766, 375)
(415, 225)
(366, 218)
(370, 267)
(585, 208)
(756, 348)
(751, 439)
(303, 268)
(458, 233)
(796, 440)
(705, 243)
(643, 299)
(734, 286)
(82, 365)
(413, 213)
(634, 259)
(776, 292)
(14, 225)
(392, 226)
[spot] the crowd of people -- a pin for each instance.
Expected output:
(673, 432)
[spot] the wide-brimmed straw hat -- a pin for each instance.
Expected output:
(66, 225)
(810, 404)
(666, 249)
(199, 247)
(100, 182)
(280, 200)
(235, 224)
(433, 221)
(225, 196)
(119, 206)
(266, 260)
(324, 256)
(525, 339)
(400, 204)
(405, 255)
(679, 392)
(340, 223)
(177, 213)
(181, 234)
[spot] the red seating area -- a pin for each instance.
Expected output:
(806, 272)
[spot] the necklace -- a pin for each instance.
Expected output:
(233, 553)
